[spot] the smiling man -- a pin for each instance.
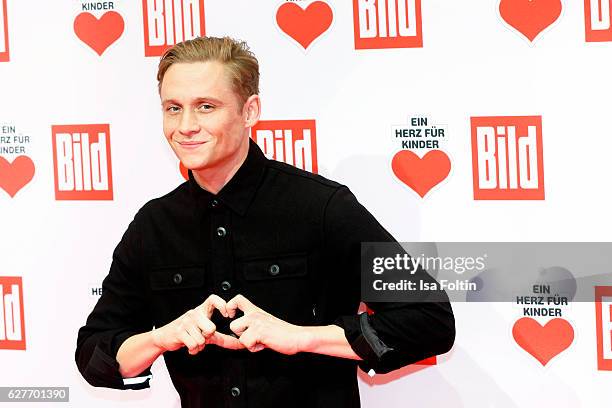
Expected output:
(246, 278)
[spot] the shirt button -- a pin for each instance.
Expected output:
(221, 232)
(225, 285)
(214, 203)
(177, 278)
(235, 391)
(274, 270)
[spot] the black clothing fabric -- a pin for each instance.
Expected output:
(289, 241)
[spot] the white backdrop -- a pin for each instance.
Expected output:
(473, 62)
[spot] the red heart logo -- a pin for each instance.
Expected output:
(304, 25)
(14, 176)
(421, 174)
(530, 17)
(543, 342)
(99, 34)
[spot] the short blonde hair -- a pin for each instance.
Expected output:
(241, 64)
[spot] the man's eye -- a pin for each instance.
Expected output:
(172, 109)
(205, 107)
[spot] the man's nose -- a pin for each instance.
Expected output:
(188, 125)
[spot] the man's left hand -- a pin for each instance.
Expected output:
(258, 329)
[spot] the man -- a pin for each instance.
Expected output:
(249, 271)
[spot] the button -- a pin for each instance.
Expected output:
(235, 391)
(225, 285)
(221, 232)
(177, 278)
(214, 203)
(274, 270)
(314, 310)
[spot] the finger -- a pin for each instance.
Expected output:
(215, 302)
(189, 342)
(239, 302)
(206, 326)
(250, 340)
(239, 325)
(225, 341)
(196, 334)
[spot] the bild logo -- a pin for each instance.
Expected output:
(597, 20)
(387, 24)
(507, 158)
(603, 317)
(167, 22)
(82, 162)
(291, 141)
(4, 45)
(12, 327)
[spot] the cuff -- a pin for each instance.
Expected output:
(102, 370)
(364, 341)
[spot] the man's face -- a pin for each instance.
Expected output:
(203, 120)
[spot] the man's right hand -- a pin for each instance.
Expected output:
(195, 330)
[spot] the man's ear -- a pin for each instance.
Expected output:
(251, 111)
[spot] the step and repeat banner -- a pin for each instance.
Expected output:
(473, 121)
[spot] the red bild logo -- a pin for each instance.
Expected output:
(507, 158)
(12, 327)
(603, 317)
(4, 44)
(597, 20)
(82, 162)
(291, 141)
(387, 24)
(168, 22)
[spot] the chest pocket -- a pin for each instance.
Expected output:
(280, 285)
(175, 290)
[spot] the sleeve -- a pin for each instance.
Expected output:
(396, 333)
(121, 312)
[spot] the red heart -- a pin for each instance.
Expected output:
(304, 25)
(421, 174)
(543, 342)
(99, 34)
(530, 17)
(14, 176)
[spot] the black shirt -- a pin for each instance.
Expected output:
(289, 241)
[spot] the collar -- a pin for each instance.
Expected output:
(239, 191)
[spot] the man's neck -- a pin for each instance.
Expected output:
(214, 179)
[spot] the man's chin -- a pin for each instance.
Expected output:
(195, 166)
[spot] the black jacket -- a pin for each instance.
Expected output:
(290, 242)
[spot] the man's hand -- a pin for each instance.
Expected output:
(195, 330)
(259, 329)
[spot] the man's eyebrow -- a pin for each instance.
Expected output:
(194, 100)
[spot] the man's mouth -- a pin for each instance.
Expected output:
(191, 144)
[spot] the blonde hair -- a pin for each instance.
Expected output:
(241, 64)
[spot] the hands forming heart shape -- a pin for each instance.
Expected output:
(255, 330)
